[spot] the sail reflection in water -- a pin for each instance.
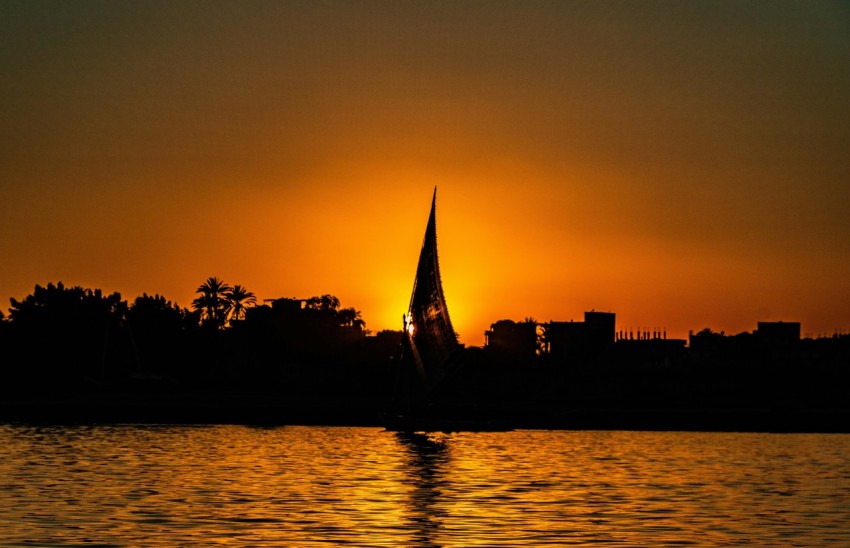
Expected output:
(428, 457)
(306, 486)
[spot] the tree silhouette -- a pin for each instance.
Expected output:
(325, 302)
(350, 317)
(213, 303)
(156, 314)
(239, 299)
(65, 332)
(156, 329)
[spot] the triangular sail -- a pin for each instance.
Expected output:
(429, 336)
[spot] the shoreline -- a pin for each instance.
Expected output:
(249, 410)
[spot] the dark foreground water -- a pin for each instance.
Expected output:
(303, 486)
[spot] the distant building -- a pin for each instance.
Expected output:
(650, 352)
(778, 334)
(594, 336)
(563, 339)
(512, 340)
(772, 344)
(601, 329)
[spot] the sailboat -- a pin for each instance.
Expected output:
(430, 353)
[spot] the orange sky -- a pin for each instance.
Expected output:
(684, 165)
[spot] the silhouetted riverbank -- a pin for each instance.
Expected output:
(263, 409)
(73, 355)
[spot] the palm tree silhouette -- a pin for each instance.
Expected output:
(238, 298)
(213, 303)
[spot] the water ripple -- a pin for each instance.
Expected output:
(308, 486)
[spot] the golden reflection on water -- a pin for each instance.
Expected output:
(303, 486)
(427, 457)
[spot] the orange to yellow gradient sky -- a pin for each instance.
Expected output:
(683, 164)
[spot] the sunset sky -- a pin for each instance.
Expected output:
(683, 164)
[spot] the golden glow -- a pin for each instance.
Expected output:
(606, 157)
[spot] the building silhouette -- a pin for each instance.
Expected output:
(512, 340)
(778, 334)
(580, 340)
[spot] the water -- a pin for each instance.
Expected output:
(308, 486)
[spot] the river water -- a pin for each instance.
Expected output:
(307, 486)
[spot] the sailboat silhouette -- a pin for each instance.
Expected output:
(430, 353)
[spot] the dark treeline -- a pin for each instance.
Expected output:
(72, 341)
(71, 353)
